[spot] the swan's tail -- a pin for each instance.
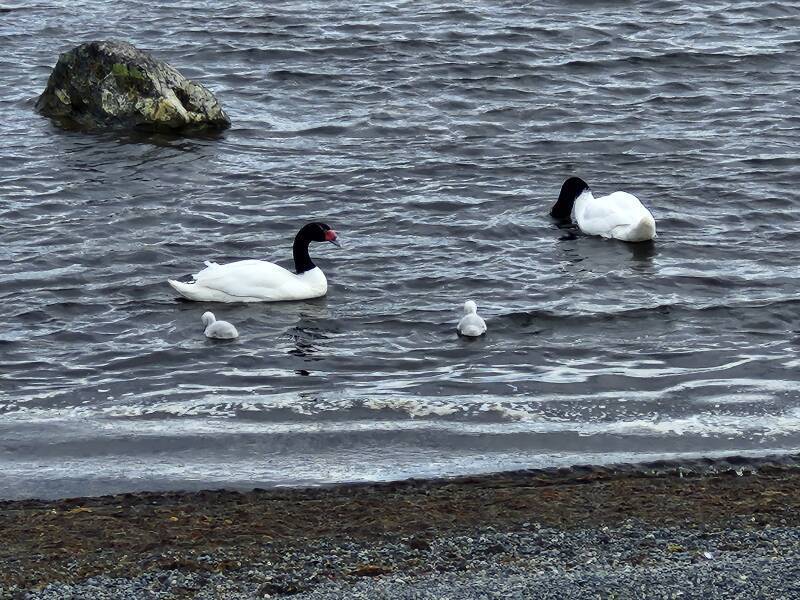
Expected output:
(642, 231)
(187, 290)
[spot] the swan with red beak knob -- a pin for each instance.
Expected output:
(262, 281)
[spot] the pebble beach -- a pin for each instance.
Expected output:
(703, 529)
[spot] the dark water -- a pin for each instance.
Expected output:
(434, 138)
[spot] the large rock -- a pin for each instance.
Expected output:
(110, 84)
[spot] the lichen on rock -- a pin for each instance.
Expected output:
(112, 84)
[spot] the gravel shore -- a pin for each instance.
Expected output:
(631, 561)
(602, 533)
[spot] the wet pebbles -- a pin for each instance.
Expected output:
(579, 533)
(632, 560)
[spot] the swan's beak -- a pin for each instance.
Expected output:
(330, 236)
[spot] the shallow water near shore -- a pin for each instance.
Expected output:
(434, 139)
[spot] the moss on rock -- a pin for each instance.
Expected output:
(111, 84)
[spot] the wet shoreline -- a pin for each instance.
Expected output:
(294, 540)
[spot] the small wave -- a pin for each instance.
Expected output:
(285, 75)
(464, 416)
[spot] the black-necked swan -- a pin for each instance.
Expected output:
(619, 215)
(262, 281)
(471, 324)
(222, 330)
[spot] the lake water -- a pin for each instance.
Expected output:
(434, 138)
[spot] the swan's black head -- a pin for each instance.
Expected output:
(572, 188)
(318, 232)
(313, 232)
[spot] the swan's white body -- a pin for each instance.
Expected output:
(619, 215)
(471, 325)
(251, 281)
(221, 330)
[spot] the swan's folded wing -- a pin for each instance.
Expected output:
(603, 215)
(472, 325)
(247, 279)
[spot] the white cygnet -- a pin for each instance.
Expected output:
(471, 324)
(221, 330)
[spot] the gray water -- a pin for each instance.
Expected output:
(433, 137)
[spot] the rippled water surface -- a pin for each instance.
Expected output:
(434, 137)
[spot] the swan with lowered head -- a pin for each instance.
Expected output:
(261, 281)
(221, 330)
(619, 215)
(471, 325)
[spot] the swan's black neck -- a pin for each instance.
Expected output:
(302, 261)
(572, 188)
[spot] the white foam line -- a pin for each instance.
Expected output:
(197, 423)
(348, 466)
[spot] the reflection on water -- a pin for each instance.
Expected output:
(643, 251)
(597, 255)
(305, 342)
